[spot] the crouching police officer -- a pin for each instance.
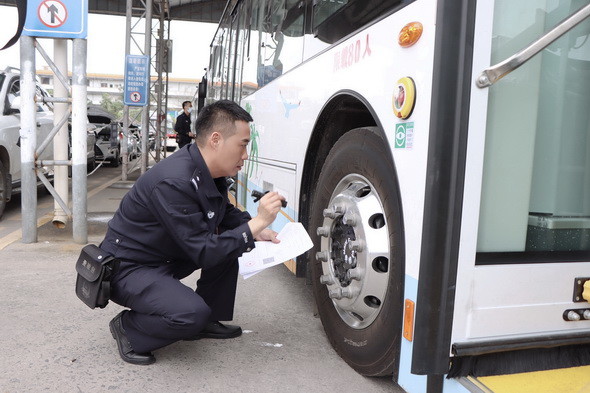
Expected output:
(177, 218)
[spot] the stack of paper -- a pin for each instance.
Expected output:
(294, 242)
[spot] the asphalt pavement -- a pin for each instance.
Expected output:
(51, 342)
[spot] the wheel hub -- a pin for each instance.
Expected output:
(355, 250)
(343, 255)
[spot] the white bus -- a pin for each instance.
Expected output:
(447, 192)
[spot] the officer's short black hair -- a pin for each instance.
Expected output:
(185, 104)
(220, 115)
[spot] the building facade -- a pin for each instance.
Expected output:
(179, 89)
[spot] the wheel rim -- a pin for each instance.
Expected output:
(355, 249)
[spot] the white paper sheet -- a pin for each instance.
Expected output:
(294, 242)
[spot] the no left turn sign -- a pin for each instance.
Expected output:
(52, 13)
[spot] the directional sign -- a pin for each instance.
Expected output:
(136, 80)
(57, 18)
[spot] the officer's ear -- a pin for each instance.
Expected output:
(215, 139)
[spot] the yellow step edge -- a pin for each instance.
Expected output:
(565, 380)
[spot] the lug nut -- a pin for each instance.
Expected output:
(354, 274)
(357, 245)
(348, 292)
(330, 213)
(323, 255)
(323, 231)
(335, 293)
(326, 279)
(349, 220)
(339, 209)
(586, 314)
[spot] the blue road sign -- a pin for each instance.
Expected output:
(57, 18)
(137, 82)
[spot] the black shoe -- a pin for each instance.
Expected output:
(217, 329)
(127, 353)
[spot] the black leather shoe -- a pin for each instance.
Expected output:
(217, 329)
(127, 353)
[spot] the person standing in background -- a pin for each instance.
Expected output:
(183, 125)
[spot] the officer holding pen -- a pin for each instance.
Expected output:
(176, 219)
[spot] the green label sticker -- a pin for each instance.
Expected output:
(404, 135)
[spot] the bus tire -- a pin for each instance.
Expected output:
(357, 258)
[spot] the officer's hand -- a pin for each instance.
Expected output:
(269, 206)
(268, 235)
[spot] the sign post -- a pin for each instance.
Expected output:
(59, 20)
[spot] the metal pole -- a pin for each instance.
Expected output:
(166, 93)
(145, 121)
(160, 84)
(60, 141)
(79, 142)
(28, 139)
(124, 154)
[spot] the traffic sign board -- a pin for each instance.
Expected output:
(57, 18)
(136, 80)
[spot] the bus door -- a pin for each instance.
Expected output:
(524, 253)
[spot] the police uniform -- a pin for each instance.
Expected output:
(175, 219)
(182, 128)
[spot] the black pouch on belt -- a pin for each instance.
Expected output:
(95, 268)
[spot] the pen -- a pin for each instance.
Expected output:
(257, 195)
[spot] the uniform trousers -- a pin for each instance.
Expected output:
(164, 310)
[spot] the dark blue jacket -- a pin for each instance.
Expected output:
(182, 128)
(177, 213)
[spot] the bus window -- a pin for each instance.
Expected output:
(335, 19)
(216, 66)
(279, 25)
(214, 73)
(227, 55)
(536, 180)
(325, 8)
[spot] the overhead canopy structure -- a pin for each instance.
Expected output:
(188, 10)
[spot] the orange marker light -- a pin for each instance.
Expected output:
(408, 320)
(410, 34)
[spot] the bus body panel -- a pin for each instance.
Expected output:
(289, 111)
(374, 78)
(492, 301)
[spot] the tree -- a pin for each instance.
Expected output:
(114, 107)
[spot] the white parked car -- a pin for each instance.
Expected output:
(10, 166)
